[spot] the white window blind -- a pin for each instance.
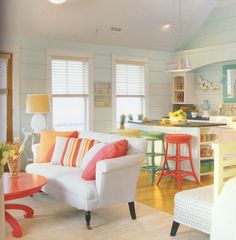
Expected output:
(69, 77)
(130, 79)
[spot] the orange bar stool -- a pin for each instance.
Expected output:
(177, 140)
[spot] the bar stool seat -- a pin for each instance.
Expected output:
(178, 173)
(152, 137)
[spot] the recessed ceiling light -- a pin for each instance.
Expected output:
(116, 29)
(166, 27)
(57, 1)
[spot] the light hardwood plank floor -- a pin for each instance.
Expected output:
(162, 197)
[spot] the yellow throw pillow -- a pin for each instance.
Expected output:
(47, 144)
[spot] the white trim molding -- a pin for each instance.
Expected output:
(14, 50)
(199, 57)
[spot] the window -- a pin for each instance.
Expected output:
(70, 87)
(6, 126)
(129, 88)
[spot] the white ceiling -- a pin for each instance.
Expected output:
(91, 20)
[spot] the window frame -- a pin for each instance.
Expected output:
(67, 54)
(145, 61)
(14, 50)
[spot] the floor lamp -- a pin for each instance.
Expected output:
(38, 104)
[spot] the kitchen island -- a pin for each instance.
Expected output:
(203, 135)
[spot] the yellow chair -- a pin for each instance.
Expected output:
(130, 133)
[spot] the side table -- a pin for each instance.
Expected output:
(20, 186)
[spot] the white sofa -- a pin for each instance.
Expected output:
(115, 178)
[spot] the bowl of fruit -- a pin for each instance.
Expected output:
(178, 117)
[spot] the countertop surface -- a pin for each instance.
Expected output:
(188, 124)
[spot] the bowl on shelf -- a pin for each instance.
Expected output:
(194, 114)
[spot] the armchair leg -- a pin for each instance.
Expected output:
(88, 218)
(132, 210)
(174, 228)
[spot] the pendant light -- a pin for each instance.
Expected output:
(181, 64)
(57, 1)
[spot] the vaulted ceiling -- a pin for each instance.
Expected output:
(91, 21)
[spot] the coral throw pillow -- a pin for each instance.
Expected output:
(47, 144)
(74, 151)
(111, 150)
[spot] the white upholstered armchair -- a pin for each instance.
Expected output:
(194, 207)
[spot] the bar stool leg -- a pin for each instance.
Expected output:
(153, 162)
(178, 163)
(164, 165)
(163, 157)
(191, 164)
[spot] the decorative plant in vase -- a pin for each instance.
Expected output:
(130, 117)
(122, 121)
(140, 117)
(10, 155)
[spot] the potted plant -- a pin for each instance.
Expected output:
(194, 111)
(122, 121)
(130, 117)
(140, 117)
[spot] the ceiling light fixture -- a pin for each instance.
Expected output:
(166, 27)
(181, 64)
(57, 1)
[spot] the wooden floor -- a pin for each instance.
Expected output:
(162, 197)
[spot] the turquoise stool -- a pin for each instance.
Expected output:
(152, 137)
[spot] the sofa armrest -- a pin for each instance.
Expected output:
(35, 150)
(116, 179)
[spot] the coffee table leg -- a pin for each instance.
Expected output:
(29, 212)
(16, 228)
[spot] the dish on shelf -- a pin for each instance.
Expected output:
(206, 151)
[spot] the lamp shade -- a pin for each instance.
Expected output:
(37, 103)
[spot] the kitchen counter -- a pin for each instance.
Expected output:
(196, 129)
(188, 124)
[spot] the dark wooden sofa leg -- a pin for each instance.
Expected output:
(88, 218)
(132, 210)
(174, 228)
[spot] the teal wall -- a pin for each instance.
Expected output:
(212, 73)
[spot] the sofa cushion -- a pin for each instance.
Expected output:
(74, 151)
(136, 145)
(111, 150)
(65, 180)
(47, 144)
(90, 154)
(58, 150)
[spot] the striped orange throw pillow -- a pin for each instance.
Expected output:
(74, 151)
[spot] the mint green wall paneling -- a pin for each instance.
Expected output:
(102, 75)
(33, 71)
(32, 56)
(159, 77)
(219, 28)
(102, 61)
(159, 89)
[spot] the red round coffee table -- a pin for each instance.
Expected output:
(22, 185)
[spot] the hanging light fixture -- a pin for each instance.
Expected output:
(181, 64)
(57, 1)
